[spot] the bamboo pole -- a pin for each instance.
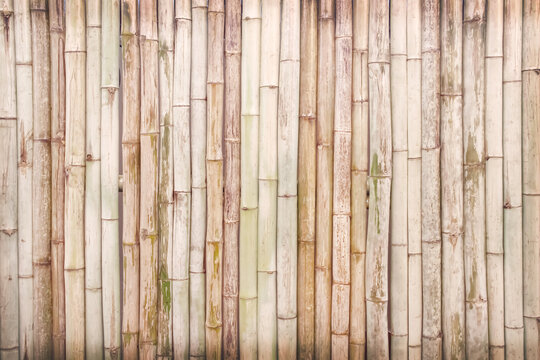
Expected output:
(23, 69)
(325, 158)
(251, 45)
(231, 177)
(512, 177)
(476, 313)
(214, 169)
(182, 179)
(149, 137)
(531, 176)
(307, 177)
(414, 175)
(9, 296)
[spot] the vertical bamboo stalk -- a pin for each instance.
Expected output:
(9, 296)
(182, 179)
(307, 177)
(325, 158)
(414, 175)
(251, 45)
(233, 43)
(512, 176)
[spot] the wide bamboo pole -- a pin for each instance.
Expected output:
(231, 177)
(414, 175)
(325, 158)
(214, 169)
(182, 179)
(531, 177)
(512, 177)
(9, 296)
(166, 177)
(307, 177)
(251, 45)
(23, 68)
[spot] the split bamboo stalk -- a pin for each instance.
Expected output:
(494, 179)
(110, 119)
(58, 134)
(9, 296)
(214, 169)
(268, 172)
(398, 326)
(231, 177)
(131, 116)
(251, 45)
(476, 310)
(325, 158)
(307, 177)
(23, 68)
(414, 175)
(166, 177)
(92, 220)
(531, 176)
(182, 179)
(149, 137)
(379, 181)
(512, 176)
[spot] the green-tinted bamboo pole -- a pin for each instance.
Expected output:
(231, 177)
(325, 158)
(182, 179)
(531, 176)
(131, 103)
(251, 45)
(476, 310)
(307, 177)
(166, 177)
(379, 182)
(23, 68)
(431, 182)
(512, 176)
(9, 296)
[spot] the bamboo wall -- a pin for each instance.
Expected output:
(270, 178)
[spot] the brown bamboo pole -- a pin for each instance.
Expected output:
(231, 177)
(325, 158)
(307, 177)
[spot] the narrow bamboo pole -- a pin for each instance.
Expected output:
(9, 296)
(149, 137)
(214, 169)
(325, 159)
(182, 179)
(531, 176)
(414, 175)
(307, 177)
(166, 177)
(231, 177)
(512, 176)
(251, 45)
(23, 68)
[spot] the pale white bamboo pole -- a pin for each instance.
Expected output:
(25, 135)
(166, 177)
(9, 296)
(531, 176)
(476, 310)
(249, 123)
(398, 326)
(414, 176)
(182, 179)
(231, 177)
(512, 177)
(325, 159)
(307, 177)
(149, 137)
